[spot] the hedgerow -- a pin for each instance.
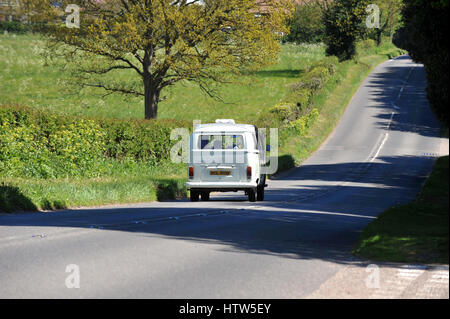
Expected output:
(296, 112)
(36, 143)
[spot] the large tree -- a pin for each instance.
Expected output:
(165, 41)
(425, 36)
(389, 19)
(344, 24)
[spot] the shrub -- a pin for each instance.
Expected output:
(284, 111)
(303, 123)
(365, 44)
(300, 97)
(40, 144)
(329, 62)
(314, 79)
(14, 26)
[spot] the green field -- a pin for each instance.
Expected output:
(26, 79)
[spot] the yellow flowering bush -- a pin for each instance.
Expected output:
(303, 123)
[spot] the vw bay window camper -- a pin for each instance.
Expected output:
(225, 156)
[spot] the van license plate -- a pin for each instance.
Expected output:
(226, 173)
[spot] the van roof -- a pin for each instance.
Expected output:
(224, 127)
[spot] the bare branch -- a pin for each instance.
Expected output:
(114, 89)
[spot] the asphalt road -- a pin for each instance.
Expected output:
(284, 247)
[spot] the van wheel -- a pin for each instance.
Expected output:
(194, 196)
(205, 196)
(260, 193)
(251, 195)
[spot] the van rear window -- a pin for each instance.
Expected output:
(221, 142)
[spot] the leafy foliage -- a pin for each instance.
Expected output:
(425, 37)
(44, 145)
(306, 24)
(389, 19)
(296, 111)
(13, 26)
(343, 21)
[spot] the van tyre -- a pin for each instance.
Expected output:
(260, 193)
(194, 196)
(251, 195)
(205, 196)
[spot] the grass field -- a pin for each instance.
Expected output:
(26, 79)
(414, 232)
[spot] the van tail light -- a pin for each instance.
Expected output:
(191, 171)
(249, 172)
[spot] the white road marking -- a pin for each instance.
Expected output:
(386, 135)
(395, 106)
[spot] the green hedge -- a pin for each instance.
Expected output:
(36, 143)
(296, 111)
(14, 26)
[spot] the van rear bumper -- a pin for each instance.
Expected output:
(230, 186)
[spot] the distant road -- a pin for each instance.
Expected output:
(284, 247)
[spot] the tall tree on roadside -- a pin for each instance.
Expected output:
(166, 41)
(344, 23)
(389, 19)
(425, 37)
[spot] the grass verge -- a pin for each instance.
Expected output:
(416, 232)
(139, 183)
(39, 194)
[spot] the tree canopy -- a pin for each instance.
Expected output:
(344, 23)
(424, 36)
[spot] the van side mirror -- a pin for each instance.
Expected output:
(268, 148)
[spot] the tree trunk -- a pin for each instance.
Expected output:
(151, 99)
(379, 32)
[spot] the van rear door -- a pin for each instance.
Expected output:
(220, 157)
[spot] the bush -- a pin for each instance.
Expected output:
(296, 112)
(303, 123)
(284, 111)
(343, 22)
(40, 144)
(14, 26)
(365, 44)
(300, 96)
(314, 79)
(329, 62)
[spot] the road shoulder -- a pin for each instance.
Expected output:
(386, 281)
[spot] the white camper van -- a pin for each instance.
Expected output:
(225, 156)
